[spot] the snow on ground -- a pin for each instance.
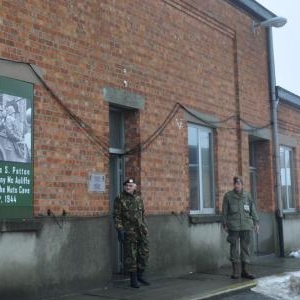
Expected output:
(295, 254)
(283, 286)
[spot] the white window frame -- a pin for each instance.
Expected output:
(202, 209)
(287, 174)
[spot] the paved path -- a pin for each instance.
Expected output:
(215, 284)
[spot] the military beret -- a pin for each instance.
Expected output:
(129, 180)
(237, 179)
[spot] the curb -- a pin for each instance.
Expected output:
(231, 289)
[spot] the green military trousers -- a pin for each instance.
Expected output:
(239, 245)
(136, 251)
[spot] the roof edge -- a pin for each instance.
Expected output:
(288, 97)
(253, 8)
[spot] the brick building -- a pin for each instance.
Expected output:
(175, 93)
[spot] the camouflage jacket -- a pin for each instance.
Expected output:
(129, 212)
(239, 211)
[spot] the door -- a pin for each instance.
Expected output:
(253, 187)
(116, 178)
(253, 191)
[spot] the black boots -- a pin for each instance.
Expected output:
(141, 278)
(244, 272)
(234, 274)
(133, 280)
(138, 276)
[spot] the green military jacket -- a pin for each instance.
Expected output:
(239, 211)
(129, 213)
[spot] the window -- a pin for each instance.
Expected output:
(287, 178)
(116, 129)
(200, 169)
(253, 169)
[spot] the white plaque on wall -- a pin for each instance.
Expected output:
(96, 182)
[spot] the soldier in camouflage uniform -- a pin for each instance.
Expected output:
(132, 232)
(239, 219)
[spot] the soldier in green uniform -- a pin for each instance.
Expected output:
(132, 232)
(239, 219)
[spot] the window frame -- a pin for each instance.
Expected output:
(202, 209)
(285, 204)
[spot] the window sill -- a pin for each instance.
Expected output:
(19, 225)
(291, 215)
(198, 219)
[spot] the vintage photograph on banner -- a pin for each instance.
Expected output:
(15, 128)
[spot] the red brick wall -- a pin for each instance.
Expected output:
(265, 180)
(53, 38)
(202, 55)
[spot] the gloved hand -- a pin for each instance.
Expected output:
(121, 235)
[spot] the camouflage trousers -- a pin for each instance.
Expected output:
(239, 245)
(136, 251)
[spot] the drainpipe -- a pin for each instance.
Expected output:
(276, 154)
